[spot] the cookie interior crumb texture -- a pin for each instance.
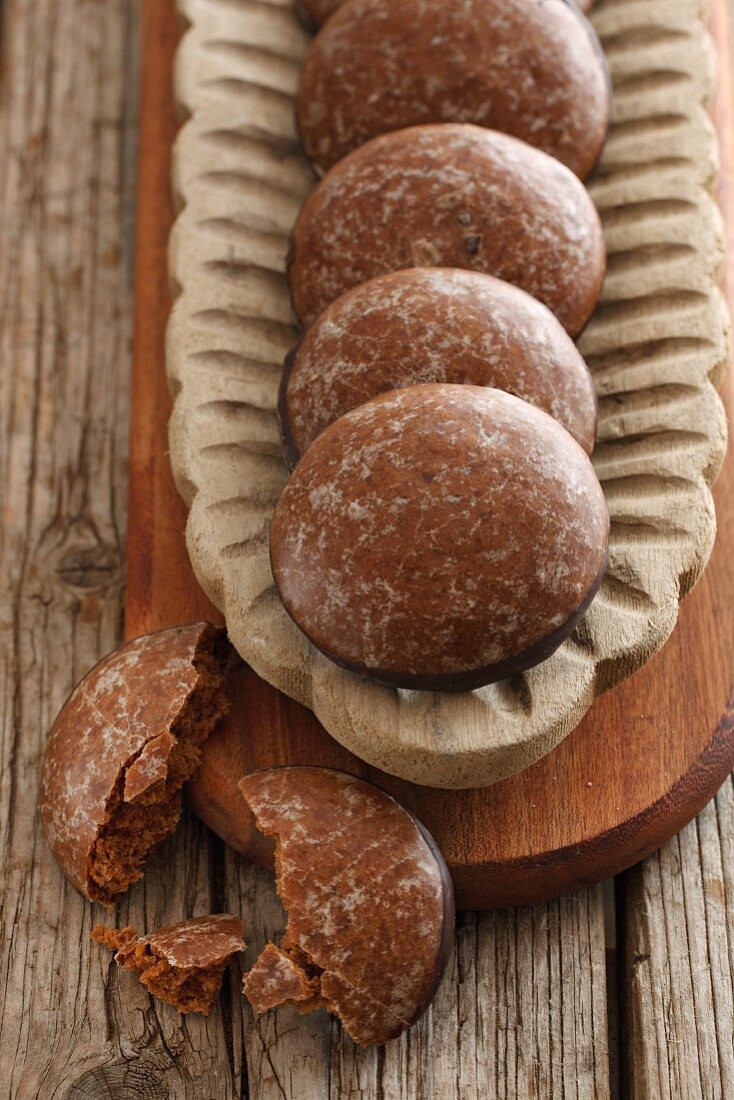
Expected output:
(189, 988)
(368, 898)
(120, 751)
(135, 828)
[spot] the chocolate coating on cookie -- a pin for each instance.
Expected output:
(119, 751)
(368, 898)
(277, 979)
(317, 11)
(432, 325)
(440, 537)
(199, 942)
(534, 70)
(190, 944)
(450, 196)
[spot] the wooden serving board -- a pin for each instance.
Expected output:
(647, 756)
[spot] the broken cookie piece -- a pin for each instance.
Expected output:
(277, 979)
(181, 964)
(123, 745)
(368, 898)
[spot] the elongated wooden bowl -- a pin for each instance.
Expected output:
(657, 346)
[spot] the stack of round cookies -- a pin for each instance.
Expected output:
(443, 526)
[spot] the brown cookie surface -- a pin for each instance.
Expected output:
(368, 898)
(432, 325)
(440, 537)
(277, 979)
(451, 195)
(182, 964)
(120, 750)
(534, 70)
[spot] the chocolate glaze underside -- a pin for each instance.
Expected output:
(489, 674)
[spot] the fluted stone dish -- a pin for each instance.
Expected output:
(657, 346)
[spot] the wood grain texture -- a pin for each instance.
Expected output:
(655, 344)
(70, 1026)
(678, 962)
(521, 1014)
(600, 810)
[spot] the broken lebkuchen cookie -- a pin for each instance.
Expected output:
(277, 978)
(123, 745)
(368, 898)
(182, 964)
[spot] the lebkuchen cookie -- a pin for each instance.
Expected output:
(318, 11)
(182, 964)
(432, 325)
(123, 745)
(368, 899)
(450, 195)
(535, 70)
(440, 537)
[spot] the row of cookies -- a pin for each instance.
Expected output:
(443, 526)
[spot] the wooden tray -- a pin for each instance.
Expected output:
(646, 757)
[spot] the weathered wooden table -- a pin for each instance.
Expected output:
(626, 990)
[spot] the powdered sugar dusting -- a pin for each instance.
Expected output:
(436, 325)
(199, 943)
(481, 200)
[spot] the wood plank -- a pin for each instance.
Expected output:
(160, 581)
(678, 959)
(678, 906)
(521, 1014)
(70, 1025)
